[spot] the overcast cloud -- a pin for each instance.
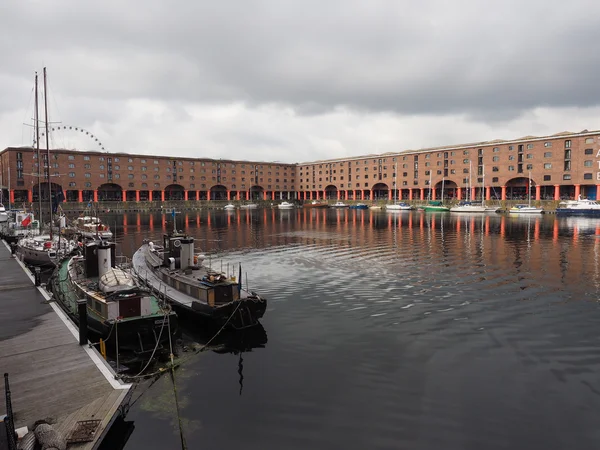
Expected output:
(298, 81)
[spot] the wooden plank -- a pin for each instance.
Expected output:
(51, 376)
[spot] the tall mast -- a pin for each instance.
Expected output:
(47, 149)
(37, 146)
(395, 188)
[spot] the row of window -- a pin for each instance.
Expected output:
(566, 177)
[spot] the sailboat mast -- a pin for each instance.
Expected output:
(395, 188)
(37, 145)
(529, 189)
(47, 149)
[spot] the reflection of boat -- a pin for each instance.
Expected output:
(339, 205)
(285, 205)
(315, 204)
(579, 207)
(229, 207)
(227, 341)
(359, 206)
(249, 206)
(178, 276)
(118, 309)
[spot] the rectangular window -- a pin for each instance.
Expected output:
(529, 166)
(568, 165)
(547, 154)
(495, 169)
(511, 157)
(547, 177)
(529, 146)
(496, 158)
(588, 163)
(529, 155)
(587, 176)
(496, 150)
(589, 151)
(547, 144)
(547, 165)
(465, 161)
(589, 140)
(511, 168)
(567, 144)
(566, 176)
(494, 179)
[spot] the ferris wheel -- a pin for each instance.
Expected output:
(69, 136)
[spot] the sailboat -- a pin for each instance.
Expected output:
(526, 209)
(43, 250)
(468, 206)
(397, 206)
(488, 208)
(435, 205)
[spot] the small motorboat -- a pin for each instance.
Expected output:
(286, 205)
(229, 207)
(339, 205)
(359, 206)
(398, 207)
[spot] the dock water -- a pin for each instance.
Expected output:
(51, 376)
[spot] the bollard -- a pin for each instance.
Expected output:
(82, 312)
(13, 248)
(37, 276)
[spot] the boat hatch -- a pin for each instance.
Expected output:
(130, 307)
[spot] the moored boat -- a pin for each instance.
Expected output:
(229, 207)
(118, 309)
(174, 273)
(469, 207)
(435, 206)
(339, 205)
(249, 206)
(91, 227)
(286, 205)
(579, 207)
(359, 206)
(402, 206)
(525, 209)
(43, 250)
(315, 204)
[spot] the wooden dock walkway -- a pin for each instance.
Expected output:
(51, 376)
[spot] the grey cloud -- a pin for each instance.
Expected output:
(405, 57)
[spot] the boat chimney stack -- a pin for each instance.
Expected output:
(186, 255)
(104, 258)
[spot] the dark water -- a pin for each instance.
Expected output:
(392, 331)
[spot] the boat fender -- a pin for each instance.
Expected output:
(48, 244)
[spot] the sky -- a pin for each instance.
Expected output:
(297, 81)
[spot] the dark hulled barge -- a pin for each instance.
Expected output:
(118, 308)
(177, 275)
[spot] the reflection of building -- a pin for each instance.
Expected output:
(561, 166)
(101, 176)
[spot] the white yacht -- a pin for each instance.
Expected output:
(285, 205)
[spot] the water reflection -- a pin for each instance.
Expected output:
(410, 330)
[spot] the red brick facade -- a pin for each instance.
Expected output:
(562, 166)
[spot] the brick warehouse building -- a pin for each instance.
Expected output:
(564, 165)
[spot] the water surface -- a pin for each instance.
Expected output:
(390, 331)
